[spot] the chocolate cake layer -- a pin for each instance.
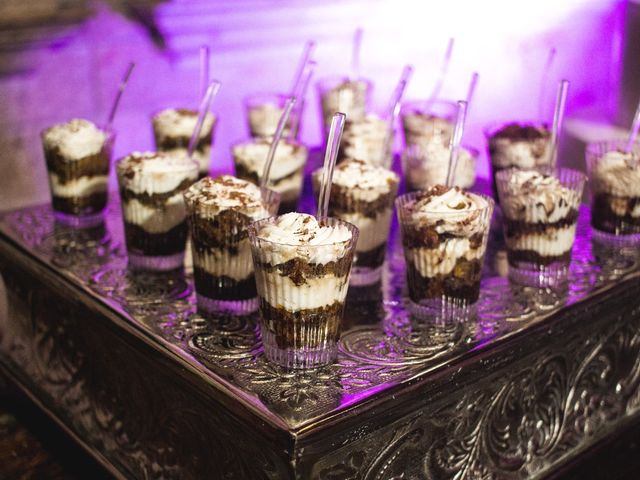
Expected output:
(605, 219)
(68, 170)
(288, 207)
(154, 200)
(371, 258)
(298, 270)
(141, 242)
(225, 230)
(295, 329)
(170, 142)
(222, 287)
(244, 173)
(342, 202)
(82, 205)
(417, 236)
(531, 256)
(463, 282)
(516, 229)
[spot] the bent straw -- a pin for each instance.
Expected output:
(204, 69)
(635, 127)
(456, 139)
(355, 54)
(543, 82)
(393, 108)
(443, 72)
(304, 60)
(295, 118)
(264, 181)
(330, 157)
(205, 105)
(116, 100)
(558, 116)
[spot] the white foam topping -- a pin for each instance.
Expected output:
(363, 180)
(617, 173)
(155, 172)
(181, 123)
(75, 139)
(252, 155)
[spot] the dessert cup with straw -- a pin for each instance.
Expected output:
(363, 195)
(151, 194)
(219, 212)
(426, 121)
(302, 266)
(343, 94)
(425, 168)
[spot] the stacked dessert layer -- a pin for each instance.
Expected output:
(366, 139)
(346, 96)
(426, 164)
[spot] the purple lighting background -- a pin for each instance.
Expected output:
(255, 45)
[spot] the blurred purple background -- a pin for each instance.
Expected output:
(58, 67)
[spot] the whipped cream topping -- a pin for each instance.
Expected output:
(75, 139)
(155, 172)
(618, 174)
(181, 122)
(522, 146)
(348, 97)
(227, 193)
(300, 235)
(450, 209)
(253, 155)
(363, 180)
(535, 197)
(427, 164)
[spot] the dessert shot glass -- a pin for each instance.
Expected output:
(264, 110)
(153, 209)
(363, 195)
(426, 166)
(520, 145)
(444, 235)
(172, 131)
(540, 213)
(219, 212)
(78, 158)
(425, 121)
(341, 94)
(287, 172)
(302, 282)
(368, 139)
(614, 178)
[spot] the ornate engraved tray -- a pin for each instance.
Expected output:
(153, 390)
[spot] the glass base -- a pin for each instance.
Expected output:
(363, 276)
(628, 240)
(300, 358)
(210, 306)
(161, 263)
(540, 276)
(79, 221)
(443, 310)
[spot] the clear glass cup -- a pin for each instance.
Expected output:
(287, 171)
(78, 178)
(172, 130)
(614, 178)
(444, 253)
(540, 226)
(424, 121)
(522, 145)
(426, 166)
(301, 303)
(264, 110)
(153, 209)
(341, 94)
(222, 263)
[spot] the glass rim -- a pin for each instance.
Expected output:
(402, 200)
(318, 171)
(110, 133)
(190, 165)
(270, 193)
(266, 141)
(333, 79)
(253, 233)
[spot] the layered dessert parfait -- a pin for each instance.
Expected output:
(78, 155)
(340, 94)
(540, 213)
(523, 146)
(302, 276)
(218, 213)
(173, 128)
(367, 139)
(427, 165)
(287, 171)
(263, 114)
(153, 209)
(363, 195)
(614, 176)
(444, 235)
(424, 121)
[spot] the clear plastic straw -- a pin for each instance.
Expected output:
(542, 101)
(295, 114)
(298, 79)
(330, 157)
(472, 88)
(264, 181)
(558, 116)
(204, 69)
(456, 140)
(393, 108)
(635, 127)
(205, 105)
(355, 54)
(443, 71)
(116, 100)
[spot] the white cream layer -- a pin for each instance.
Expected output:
(288, 158)
(75, 139)
(366, 139)
(173, 123)
(373, 231)
(155, 220)
(550, 244)
(280, 291)
(442, 260)
(618, 174)
(363, 181)
(427, 164)
(79, 187)
(219, 262)
(155, 172)
(521, 153)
